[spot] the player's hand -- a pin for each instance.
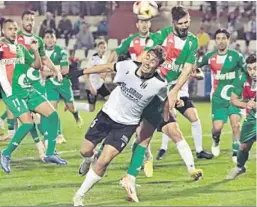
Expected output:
(34, 45)
(58, 75)
(251, 104)
(172, 98)
(93, 91)
(198, 74)
(180, 103)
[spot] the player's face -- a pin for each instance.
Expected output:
(182, 26)
(28, 22)
(251, 69)
(101, 49)
(50, 40)
(10, 31)
(222, 41)
(149, 64)
(143, 26)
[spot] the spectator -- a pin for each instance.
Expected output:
(84, 38)
(252, 27)
(237, 48)
(78, 23)
(65, 28)
(203, 39)
(215, 25)
(48, 23)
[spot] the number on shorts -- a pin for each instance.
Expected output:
(93, 123)
(16, 103)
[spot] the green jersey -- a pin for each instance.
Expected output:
(59, 57)
(26, 40)
(13, 68)
(178, 51)
(134, 45)
(224, 69)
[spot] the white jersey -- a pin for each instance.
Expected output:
(128, 100)
(95, 79)
(184, 90)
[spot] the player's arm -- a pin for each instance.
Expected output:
(236, 101)
(36, 62)
(197, 73)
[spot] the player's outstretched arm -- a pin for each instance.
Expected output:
(235, 100)
(46, 61)
(33, 62)
(102, 68)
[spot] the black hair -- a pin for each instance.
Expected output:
(178, 12)
(101, 42)
(7, 21)
(28, 12)
(49, 31)
(251, 59)
(224, 31)
(159, 52)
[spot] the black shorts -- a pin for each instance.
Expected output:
(115, 134)
(103, 91)
(188, 103)
(163, 123)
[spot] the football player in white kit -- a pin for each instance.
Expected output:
(138, 84)
(190, 113)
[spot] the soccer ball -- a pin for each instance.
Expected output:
(145, 9)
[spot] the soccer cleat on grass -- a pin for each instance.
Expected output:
(197, 174)
(204, 155)
(235, 172)
(85, 166)
(79, 121)
(234, 157)
(130, 188)
(55, 159)
(215, 149)
(77, 200)
(5, 163)
(148, 168)
(41, 150)
(60, 139)
(161, 154)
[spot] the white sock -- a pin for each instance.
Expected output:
(186, 154)
(148, 153)
(196, 129)
(165, 141)
(91, 179)
(82, 107)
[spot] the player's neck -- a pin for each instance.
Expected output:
(143, 75)
(144, 35)
(26, 33)
(8, 41)
(50, 48)
(223, 52)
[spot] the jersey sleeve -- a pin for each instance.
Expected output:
(239, 83)
(124, 46)
(121, 68)
(27, 56)
(191, 59)
(202, 61)
(41, 48)
(64, 58)
(242, 63)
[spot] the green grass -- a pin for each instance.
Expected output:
(34, 183)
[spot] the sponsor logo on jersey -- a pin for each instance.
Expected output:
(225, 76)
(130, 93)
(12, 61)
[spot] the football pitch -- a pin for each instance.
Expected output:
(32, 182)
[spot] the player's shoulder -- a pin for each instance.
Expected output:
(234, 53)
(58, 48)
(37, 37)
(192, 36)
(132, 36)
(211, 53)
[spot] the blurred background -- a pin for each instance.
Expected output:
(91, 21)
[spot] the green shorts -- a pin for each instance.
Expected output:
(24, 102)
(39, 87)
(55, 93)
(221, 111)
(248, 131)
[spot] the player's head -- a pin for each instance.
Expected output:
(181, 20)
(143, 26)
(49, 38)
(251, 66)
(152, 60)
(101, 47)
(28, 20)
(222, 38)
(10, 29)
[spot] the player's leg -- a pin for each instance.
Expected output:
(39, 104)
(247, 138)
(172, 130)
(2, 118)
(189, 111)
(235, 119)
(12, 125)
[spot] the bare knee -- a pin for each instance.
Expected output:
(91, 107)
(235, 127)
(217, 127)
(87, 148)
(172, 130)
(243, 147)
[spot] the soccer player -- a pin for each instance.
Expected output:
(133, 46)
(245, 88)
(181, 47)
(54, 88)
(190, 113)
(20, 98)
(95, 83)
(26, 37)
(226, 65)
(121, 114)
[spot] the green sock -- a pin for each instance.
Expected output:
(21, 132)
(51, 129)
(59, 130)
(235, 145)
(11, 124)
(4, 115)
(137, 160)
(34, 134)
